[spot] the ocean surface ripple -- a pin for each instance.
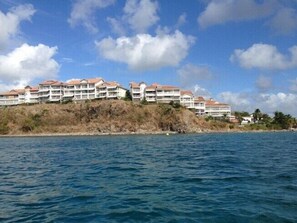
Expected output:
(240, 177)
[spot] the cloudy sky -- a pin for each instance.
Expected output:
(242, 52)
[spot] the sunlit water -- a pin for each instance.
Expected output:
(178, 178)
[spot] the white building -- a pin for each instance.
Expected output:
(31, 95)
(110, 90)
(51, 91)
(217, 109)
(28, 95)
(9, 98)
(187, 99)
(84, 89)
(247, 120)
(199, 105)
(150, 93)
(137, 91)
(167, 94)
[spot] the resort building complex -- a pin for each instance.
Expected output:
(57, 91)
(97, 88)
(166, 94)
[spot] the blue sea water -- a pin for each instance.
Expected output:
(240, 177)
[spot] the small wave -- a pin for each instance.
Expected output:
(133, 215)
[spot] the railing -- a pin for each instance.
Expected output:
(8, 102)
(150, 99)
(150, 94)
(168, 94)
(135, 91)
(43, 95)
(43, 89)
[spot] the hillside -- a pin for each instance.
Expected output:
(99, 117)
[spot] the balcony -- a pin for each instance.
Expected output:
(136, 91)
(147, 94)
(43, 95)
(102, 90)
(164, 94)
(68, 95)
(150, 99)
(56, 93)
(136, 96)
(56, 88)
(112, 95)
(43, 90)
(9, 101)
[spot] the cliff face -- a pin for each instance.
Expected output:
(101, 117)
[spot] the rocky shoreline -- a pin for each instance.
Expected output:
(138, 133)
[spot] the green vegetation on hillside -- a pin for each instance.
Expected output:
(263, 121)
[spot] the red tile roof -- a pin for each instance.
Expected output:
(90, 81)
(186, 92)
(134, 85)
(214, 103)
(51, 82)
(167, 87)
(11, 93)
(199, 99)
(32, 89)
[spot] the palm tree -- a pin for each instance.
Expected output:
(257, 115)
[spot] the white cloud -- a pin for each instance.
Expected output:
(182, 19)
(267, 103)
(10, 22)
(265, 56)
(264, 83)
(83, 13)
(190, 74)
(222, 11)
(116, 26)
(286, 103)
(200, 91)
(141, 14)
(284, 22)
(238, 101)
(28, 63)
(163, 30)
(146, 52)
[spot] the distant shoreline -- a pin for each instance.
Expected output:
(136, 133)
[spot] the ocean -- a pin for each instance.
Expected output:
(222, 177)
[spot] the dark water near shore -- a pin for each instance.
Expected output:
(178, 178)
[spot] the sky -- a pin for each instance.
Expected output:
(241, 52)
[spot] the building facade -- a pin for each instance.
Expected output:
(110, 90)
(9, 98)
(97, 88)
(51, 91)
(217, 109)
(199, 105)
(31, 95)
(80, 90)
(28, 95)
(167, 94)
(154, 93)
(187, 99)
(137, 91)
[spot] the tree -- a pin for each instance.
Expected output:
(128, 96)
(144, 101)
(266, 119)
(282, 120)
(239, 115)
(257, 115)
